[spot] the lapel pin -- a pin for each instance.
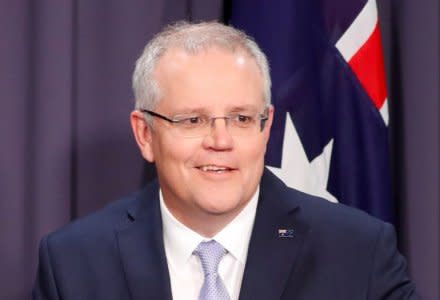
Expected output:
(285, 233)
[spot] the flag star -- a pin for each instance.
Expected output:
(296, 170)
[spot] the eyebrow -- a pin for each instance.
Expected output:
(243, 108)
(204, 111)
(189, 111)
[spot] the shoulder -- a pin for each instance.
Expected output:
(341, 226)
(335, 216)
(360, 244)
(100, 226)
(97, 226)
(321, 215)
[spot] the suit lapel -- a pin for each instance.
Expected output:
(142, 250)
(271, 258)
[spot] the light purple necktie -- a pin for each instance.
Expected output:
(210, 254)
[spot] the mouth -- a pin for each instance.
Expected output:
(215, 169)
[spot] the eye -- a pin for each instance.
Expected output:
(193, 121)
(244, 119)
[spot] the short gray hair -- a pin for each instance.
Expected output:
(192, 37)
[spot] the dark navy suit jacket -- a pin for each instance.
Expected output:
(330, 252)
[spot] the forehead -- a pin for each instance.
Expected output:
(209, 78)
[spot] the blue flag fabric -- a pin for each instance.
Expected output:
(339, 129)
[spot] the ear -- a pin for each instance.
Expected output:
(143, 134)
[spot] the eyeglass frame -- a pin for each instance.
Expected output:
(263, 118)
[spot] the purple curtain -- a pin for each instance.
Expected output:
(411, 38)
(66, 145)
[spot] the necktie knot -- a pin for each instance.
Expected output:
(210, 254)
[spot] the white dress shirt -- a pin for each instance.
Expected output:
(185, 269)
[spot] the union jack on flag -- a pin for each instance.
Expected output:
(330, 135)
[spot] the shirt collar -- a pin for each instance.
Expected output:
(180, 241)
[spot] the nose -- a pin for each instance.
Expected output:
(219, 138)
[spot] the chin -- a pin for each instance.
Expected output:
(219, 207)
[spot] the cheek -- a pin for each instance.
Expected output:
(254, 150)
(252, 158)
(170, 152)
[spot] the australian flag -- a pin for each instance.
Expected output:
(330, 135)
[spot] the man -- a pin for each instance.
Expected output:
(216, 224)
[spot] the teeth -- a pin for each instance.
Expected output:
(212, 168)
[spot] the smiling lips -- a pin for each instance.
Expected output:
(214, 168)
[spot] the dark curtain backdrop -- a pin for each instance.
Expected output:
(66, 145)
(411, 40)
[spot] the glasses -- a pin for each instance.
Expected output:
(199, 125)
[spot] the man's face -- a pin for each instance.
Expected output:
(214, 176)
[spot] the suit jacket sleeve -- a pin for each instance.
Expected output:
(45, 286)
(389, 278)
